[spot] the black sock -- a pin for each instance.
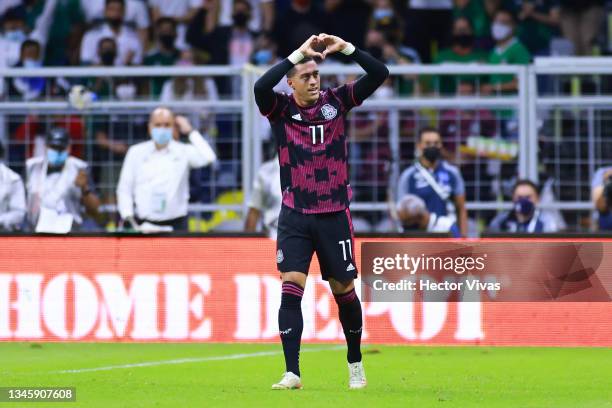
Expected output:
(290, 324)
(349, 308)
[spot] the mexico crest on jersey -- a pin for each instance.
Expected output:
(328, 111)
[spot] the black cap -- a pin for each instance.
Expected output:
(58, 137)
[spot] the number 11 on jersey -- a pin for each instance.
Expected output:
(316, 131)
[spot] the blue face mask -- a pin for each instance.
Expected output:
(31, 63)
(56, 158)
(161, 135)
(15, 36)
(380, 14)
(524, 206)
(263, 57)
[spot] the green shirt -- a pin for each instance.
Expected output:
(447, 84)
(513, 54)
(158, 58)
(534, 35)
(475, 12)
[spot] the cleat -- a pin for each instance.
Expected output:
(357, 377)
(289, 381)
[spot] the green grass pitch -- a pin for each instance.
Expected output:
(240, 375)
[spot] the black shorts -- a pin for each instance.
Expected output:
(330, 235)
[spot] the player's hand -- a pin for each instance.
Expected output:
(183, 125)
(332, 43)
(310, 46)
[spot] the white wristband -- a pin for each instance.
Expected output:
(349, 49)
(295, 57)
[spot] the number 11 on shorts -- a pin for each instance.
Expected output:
(344, 244)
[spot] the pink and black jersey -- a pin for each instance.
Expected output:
(313, 150)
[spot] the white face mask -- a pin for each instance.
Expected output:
(500, 31)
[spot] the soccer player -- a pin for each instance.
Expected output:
(309, 129)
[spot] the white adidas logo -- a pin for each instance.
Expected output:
(297, 116)
(350, 268)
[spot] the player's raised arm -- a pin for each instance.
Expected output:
(264, 95)
(376, 71)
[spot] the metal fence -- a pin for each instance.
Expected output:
(555, 127)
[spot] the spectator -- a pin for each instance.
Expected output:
(413, 215)
(165, 54)
(60, 191)
(538, 24)
(154, 182)
(182, 88)
(601, 195)
(348, 19)
(12, 197)
(427, 21)
(136, 15)
(109, 87)
(67, 28)
(461, 51)
(475, 12)
(436, 181)
(129, 46)
(266, 199)
(13, 29)
(580, 22)
(228, 45)
(525, 215)
(508, 50)
(180, 11)
(28, 88)
(301, 20)
(263, 14)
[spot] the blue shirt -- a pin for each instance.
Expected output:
(448, 177)
(605, 219)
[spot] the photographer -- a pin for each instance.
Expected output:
(601, 195)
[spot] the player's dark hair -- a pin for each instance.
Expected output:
(428, 129)
(525, 182)
(293, 70)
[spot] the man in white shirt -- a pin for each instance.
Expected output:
(154, 181)
(266, 199)
(136, 15)
(12, 197)
(59, 188)
(129, 45)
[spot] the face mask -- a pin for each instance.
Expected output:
(500, 31)
(463, 40)
(524, 206)
(240, 19)
(108, 58)
(15, 36)
(381, 14)
(262, 57)
(55, 158)
(114, 22)
(167, 40)
(31, 63)
(161, 135)
(431, 153)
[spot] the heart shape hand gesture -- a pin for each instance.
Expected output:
(320, 46)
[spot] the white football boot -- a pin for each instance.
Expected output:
(289, 381)
(357, 377)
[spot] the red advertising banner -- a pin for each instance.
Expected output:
(228, 290)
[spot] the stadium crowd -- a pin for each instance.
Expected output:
(118, 33)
